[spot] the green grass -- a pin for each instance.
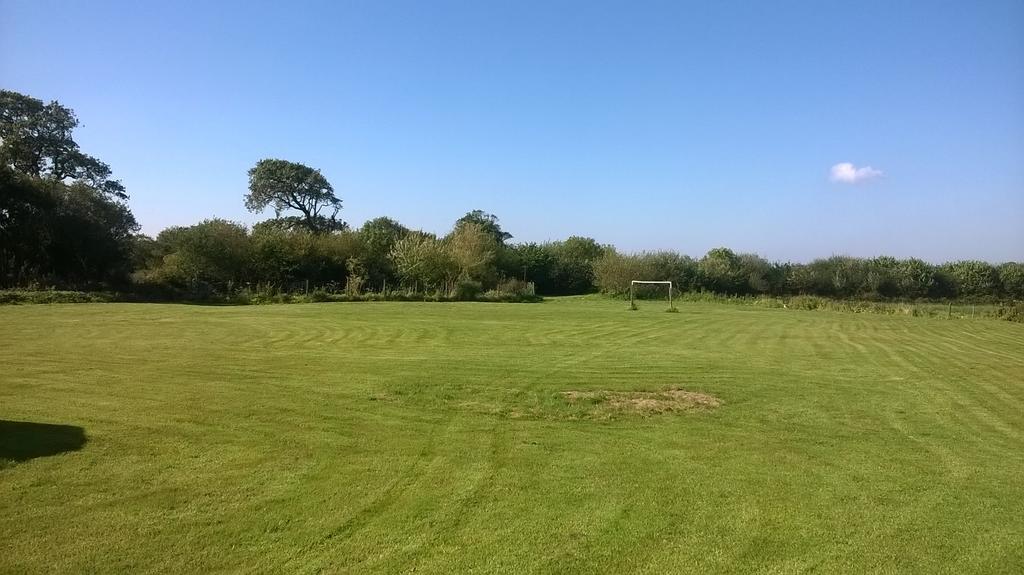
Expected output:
(393, 437)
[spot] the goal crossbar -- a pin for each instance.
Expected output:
(633, 284)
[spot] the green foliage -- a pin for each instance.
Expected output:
(62, 234)
(284, 185)
(473, 250)
(35, 296)
(973, 278)
(615, 271)
(356, 276)
(35, 140)
(529, 261)
(213, 254)
(839, 277)
(486, 222)
(63, 220)
(573, 269)
(424, 261)
(720, 272)
(467, 290)
(378, 237)
(1011, 312)
(1011, 280)
(63, 223)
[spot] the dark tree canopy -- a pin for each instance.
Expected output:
(380, 234)
(35, 140)
(284, 185)
(489, 223)
(63, 221)
(61, 234)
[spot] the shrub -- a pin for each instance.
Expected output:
(1011, 278)
(54, 296)
(319, 295)
(467, 290)
(973, 278)
(1013, 312)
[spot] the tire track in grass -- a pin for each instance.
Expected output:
(975, 374)
(943, 396)
(387, 497)
(896, 354)
(1003, 334)
(939, 335)
(1013, 358)
(446, 528)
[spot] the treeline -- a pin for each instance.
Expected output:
(220, 258)
(65, 223)
(63, 219)
(725, 272)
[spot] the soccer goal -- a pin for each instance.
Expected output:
(632, 290)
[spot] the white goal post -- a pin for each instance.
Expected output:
(633, 284)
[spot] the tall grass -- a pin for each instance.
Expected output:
(1010, 311)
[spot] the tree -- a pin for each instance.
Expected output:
(574, 258)
(35, 140)
(914, 278)
(379, 236)
(474, 249)
(974, 278)
(721, 272)
(62, 219)
(285, 185)
(755, 274)
(288, 258)
(214, 253)
(60, 234)
(91, 236)
(488, 222)
(529, 262)
(614, 272)
(423, 259)
(1011, 277)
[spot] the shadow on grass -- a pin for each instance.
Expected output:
(24, 440)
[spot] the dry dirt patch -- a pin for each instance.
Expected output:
(644, 402)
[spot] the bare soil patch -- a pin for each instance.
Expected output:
(643, 402)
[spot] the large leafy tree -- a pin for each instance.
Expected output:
(573, 271)
(61, 234)
(474, 250)
(35, 139)
(487, 222)
(974, 278)
(284, 185)
(1011, 276)
(721, 271)
(530, 262)
(215, 252)
(63, 220)
(422, 260)
(379, 236)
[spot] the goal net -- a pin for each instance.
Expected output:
(635, 283)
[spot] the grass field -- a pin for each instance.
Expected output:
(393, 437)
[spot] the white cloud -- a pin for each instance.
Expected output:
(847, 173)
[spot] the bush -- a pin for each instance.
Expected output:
(319, 295)
(54, 296)
(1013, 312)
(467, 290)
(495, 296)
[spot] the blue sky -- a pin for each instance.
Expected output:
(648, 125)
